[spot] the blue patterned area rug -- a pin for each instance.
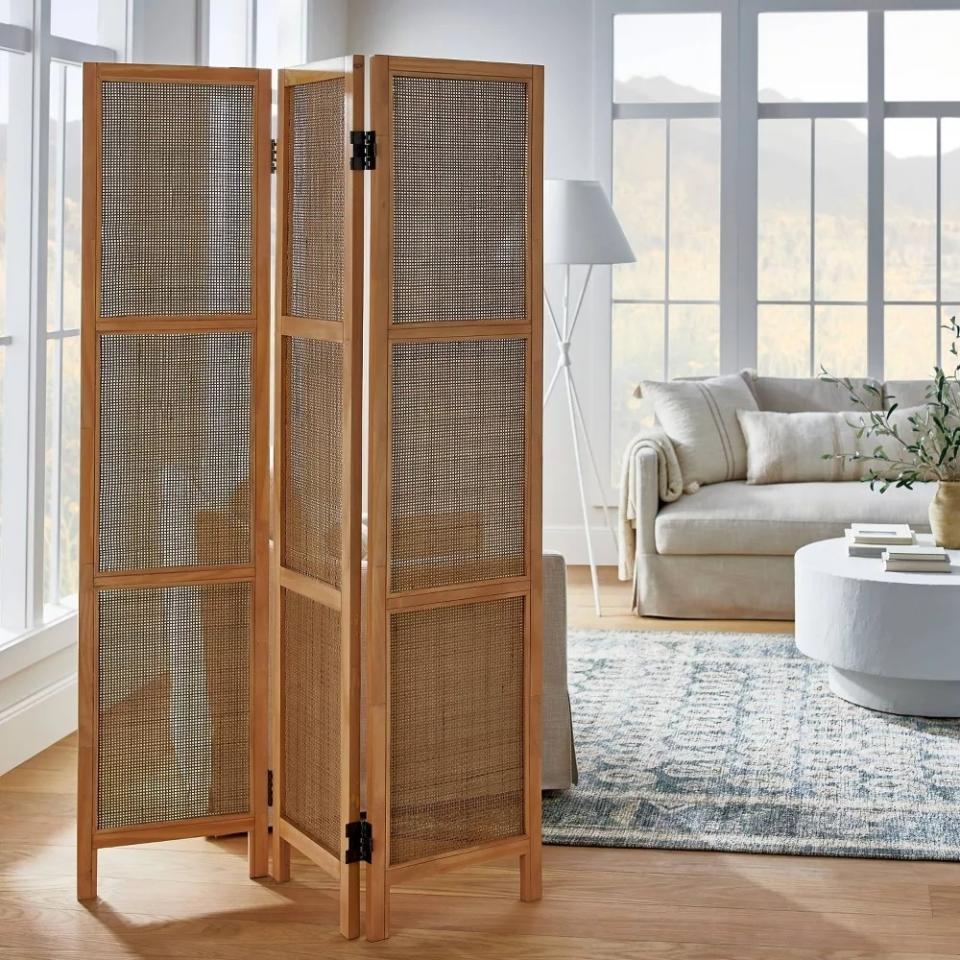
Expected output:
(734, 742)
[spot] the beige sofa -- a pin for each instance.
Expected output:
(726, 550)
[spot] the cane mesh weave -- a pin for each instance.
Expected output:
(317, 158)
(459, 199)
(177, 198)
(311, 719)
(456, 727)
(458, 454)
(313, 463)
(174, 667)
(175, 438)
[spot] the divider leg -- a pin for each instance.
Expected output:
(279, 856)
(86, 870)
(377, 903)
(258, 847)
(350, 901)
(531, 874)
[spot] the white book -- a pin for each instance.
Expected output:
(919, 551)
(916, 566)
(855, 549)
(877, 529)
(867, 547)
(890, 533)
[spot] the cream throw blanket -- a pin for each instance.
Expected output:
(669, 483)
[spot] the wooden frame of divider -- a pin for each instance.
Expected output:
(380, 875)
(90, 839)
(346, 600)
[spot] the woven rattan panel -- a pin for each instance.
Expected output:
(459, 199)
(173, 703)
(175, 436)
(458, 450)
(315, 255)
(456, 727)
(311, 719)
(313, 463)
(177, 198)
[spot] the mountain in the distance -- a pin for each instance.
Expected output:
(784, 154)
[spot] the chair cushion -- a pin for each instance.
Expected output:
(806, 394)
(776, 520)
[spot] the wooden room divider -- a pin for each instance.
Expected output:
(179, 587)
(318, 483)
(454, 616)
(174, 588)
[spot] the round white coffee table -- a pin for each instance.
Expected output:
(892, 640)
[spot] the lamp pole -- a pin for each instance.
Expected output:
(578, 422)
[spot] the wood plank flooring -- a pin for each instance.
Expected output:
(191, 899)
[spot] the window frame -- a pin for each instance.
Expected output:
(24, 616)
(740, 113)
(606, 113)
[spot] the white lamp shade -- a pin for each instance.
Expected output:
(579, 225)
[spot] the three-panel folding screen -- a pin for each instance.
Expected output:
(229, 582)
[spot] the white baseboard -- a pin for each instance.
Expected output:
(571, 541)
(38, 721)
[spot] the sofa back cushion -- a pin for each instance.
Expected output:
(905, 393)
(809, 394)
(790, 447)
(700, 417)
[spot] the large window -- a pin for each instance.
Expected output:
(812, 194)
(42, 47)
(666, 190)
(805, 215)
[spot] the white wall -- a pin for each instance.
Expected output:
(327, 29)
(165, 32)
(559, 35)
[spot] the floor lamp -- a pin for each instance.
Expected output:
(580, 227)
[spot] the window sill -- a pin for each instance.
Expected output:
(22, 650)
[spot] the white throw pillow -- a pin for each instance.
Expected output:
(700, 418)
(789, 447)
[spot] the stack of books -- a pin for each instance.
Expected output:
(922, 558)
(872, 539)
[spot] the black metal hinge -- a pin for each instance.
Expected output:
(269, 788)
(273, 156)
(364, 144)
(359, 840)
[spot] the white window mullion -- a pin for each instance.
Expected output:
(36, 449)
(54, 398)
(666, 251)
(730, 189)
(601, 292)
(748, 158)
(875, 214)
(813, 246)
(939, 288)
(18, 408)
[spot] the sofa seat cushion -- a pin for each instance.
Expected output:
(736, 518)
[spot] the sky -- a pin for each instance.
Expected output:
(807, 56)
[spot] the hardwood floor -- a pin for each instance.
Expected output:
(191, 899)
